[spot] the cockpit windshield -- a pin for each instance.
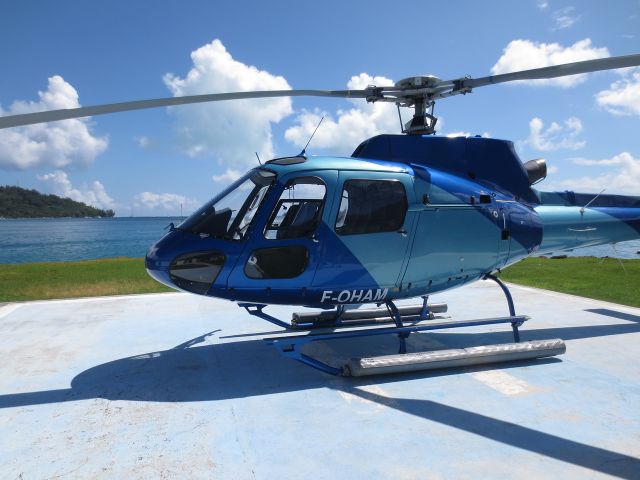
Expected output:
(229, 214)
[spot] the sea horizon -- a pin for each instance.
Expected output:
(64, 239)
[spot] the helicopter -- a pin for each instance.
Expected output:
(404, 216)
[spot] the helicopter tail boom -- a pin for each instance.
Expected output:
(573, 220)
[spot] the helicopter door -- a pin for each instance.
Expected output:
(370, 234)
(280, 259)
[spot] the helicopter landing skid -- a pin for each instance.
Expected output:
(291, 347)
(326, 326)
(341, 318)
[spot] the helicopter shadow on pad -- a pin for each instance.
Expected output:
(199, 371)
(615, 314)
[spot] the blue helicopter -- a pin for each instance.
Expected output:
(405, 216)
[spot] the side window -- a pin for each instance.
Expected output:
(371, 206)
(277, 262)
(298, 211)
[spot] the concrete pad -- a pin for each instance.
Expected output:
(172, 386)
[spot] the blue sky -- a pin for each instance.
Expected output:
(60, 54)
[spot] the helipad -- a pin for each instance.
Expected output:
(177, 386)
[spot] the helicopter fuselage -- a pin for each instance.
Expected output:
(325, 231)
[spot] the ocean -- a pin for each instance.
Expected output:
(68, 239)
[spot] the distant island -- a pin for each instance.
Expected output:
(16, 202)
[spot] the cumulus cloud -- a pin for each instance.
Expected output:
(542, 4)
(342, 133)
(163, 203)
(230, 175)
(58, 144)
(525, 55)
(231, 131)
(565, 18)
(459, 134)
(623, 176)
(466, 134)
(623, 96)
(59, 184)
(555, 136)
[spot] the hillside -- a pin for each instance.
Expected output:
(16, 202)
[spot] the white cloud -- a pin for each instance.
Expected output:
(343, 132)
(459, 134)
(466, 134)
(163, 203)
(230, 130)
(565, 18)
(552, 169)
(143, 142)
(623, 96)
(542, 4)
(229, 176)
(555, 136)
(59, 184)
(58, 144)
(525, 55)
(625, 177)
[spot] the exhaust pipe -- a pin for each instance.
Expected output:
(536, 170)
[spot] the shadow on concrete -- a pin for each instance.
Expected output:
(192, 372)
(209, 373)
(615, 314)
(552, 446)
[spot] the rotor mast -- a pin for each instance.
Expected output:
(422, 122)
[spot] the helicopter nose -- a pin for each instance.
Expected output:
(173, 262)
(158, 259)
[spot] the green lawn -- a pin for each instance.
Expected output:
(89, 278)
(603, 279)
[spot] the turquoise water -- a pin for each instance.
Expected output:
(63, 239)
(629, 249)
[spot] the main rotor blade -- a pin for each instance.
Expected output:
(64, 114)
(556, 71)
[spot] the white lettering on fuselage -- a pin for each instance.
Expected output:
(354, 296)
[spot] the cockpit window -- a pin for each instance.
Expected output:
(229, 214)
(298, 211)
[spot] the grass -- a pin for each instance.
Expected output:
(603, 279)
(88, 278)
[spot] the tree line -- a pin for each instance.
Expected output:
(16, 202)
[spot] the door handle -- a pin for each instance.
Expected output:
(402, 232)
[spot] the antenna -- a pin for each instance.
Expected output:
(310, 138)
(592, 200)
(258, 157)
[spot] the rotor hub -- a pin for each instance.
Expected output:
(426, 81)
